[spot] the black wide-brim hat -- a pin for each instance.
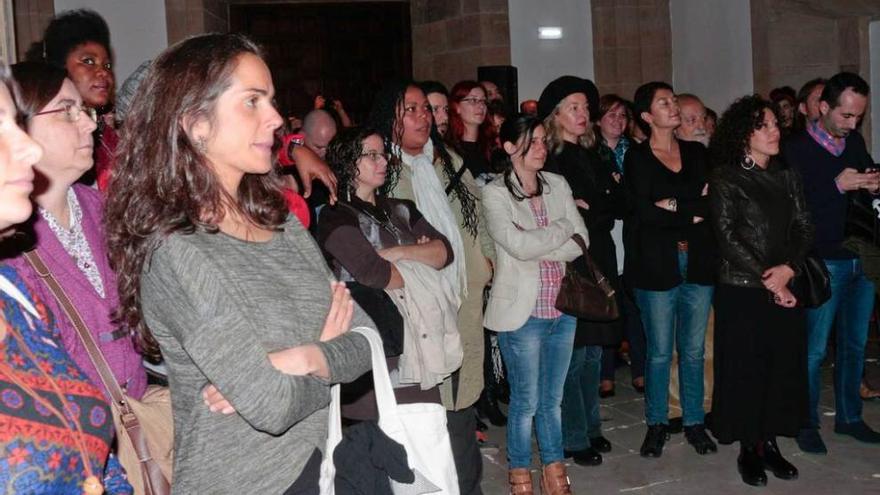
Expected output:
(560, 88)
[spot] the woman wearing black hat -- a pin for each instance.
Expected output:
(565, 106)
(670, 261)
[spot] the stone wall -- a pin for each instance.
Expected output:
(451, 38)
(631, 44)
(31, 18)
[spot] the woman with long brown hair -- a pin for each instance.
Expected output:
(215, 274)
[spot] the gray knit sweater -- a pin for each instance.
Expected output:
(217, 305)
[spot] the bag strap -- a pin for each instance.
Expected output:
(385, 401)
(94, 352)
(580, 242)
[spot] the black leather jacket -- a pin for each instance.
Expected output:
(760, 220)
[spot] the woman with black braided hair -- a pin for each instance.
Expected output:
(422, 169)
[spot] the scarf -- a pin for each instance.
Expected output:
(431, 200)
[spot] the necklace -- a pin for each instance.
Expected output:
(92, 485)
(387, 224)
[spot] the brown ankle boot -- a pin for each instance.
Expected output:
(554, 480)
(520, 480)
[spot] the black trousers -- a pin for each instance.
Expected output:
(462, 426)
(760, 367)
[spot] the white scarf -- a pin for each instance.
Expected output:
(432, 202)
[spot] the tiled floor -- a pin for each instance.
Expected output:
(849, 468)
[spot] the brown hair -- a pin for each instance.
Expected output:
(162, 183)
(39, 82)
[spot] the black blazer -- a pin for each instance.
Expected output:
(651, 234)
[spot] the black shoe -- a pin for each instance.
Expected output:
(487, 407)
(858, 430)
(601, 444)
(654, 440)
(639, 388)
(696, 436)
(587, 457)
(810, 442)
(751, 467)
(774, 461)
(675, 425)
(481, 425)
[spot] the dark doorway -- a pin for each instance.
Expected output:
(338, 50)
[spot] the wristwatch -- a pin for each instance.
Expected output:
(673, 204)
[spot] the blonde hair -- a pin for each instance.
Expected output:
(554, 133)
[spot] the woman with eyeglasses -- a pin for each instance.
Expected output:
(366, 236)
(56, 429)
(471, 134)
(67, 228)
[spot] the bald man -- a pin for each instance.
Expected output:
(529, 107)
(693, 120)
(318, 129)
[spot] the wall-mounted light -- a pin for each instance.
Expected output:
(549, 32)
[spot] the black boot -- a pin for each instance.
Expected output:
(655, 438)
(488, 408)
(751, 466)
(774, 461)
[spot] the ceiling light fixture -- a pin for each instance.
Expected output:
(549, 32)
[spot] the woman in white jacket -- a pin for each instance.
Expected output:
(532, 216)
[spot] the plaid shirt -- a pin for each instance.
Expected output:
(833, 145)
(551, 272)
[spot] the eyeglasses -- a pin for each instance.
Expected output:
(375, 155)
(72, 112)
(476, 101)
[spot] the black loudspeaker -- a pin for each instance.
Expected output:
(504, 76)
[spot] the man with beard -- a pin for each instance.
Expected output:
(438, 98)
(835, 166)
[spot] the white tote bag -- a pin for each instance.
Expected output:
(420, 428)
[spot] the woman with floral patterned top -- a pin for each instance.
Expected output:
(42, 449)
(68, 225)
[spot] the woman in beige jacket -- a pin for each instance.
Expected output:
(531, 216)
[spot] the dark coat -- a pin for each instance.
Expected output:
(592, 180)
(760, 219)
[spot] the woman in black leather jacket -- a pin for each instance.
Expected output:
(763, 230)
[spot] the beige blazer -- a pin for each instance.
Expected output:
(520, 245)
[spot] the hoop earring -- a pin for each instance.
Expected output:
(748, 162)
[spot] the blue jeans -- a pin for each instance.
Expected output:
(849, 309)
(677, 316)
(580, 399)
(537, 356)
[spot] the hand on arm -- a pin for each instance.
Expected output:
(310, 167)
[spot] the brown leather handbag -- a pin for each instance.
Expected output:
(145, 427)
(585, 292)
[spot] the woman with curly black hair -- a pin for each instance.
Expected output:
(365, 236)
(425, 171)
(760, 219)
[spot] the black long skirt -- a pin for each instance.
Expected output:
(760, 367)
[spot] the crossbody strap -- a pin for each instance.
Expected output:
(92, 349)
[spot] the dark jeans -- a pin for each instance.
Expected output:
(850, 306)
(462, 426)
(580, 398)
(633, 331)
